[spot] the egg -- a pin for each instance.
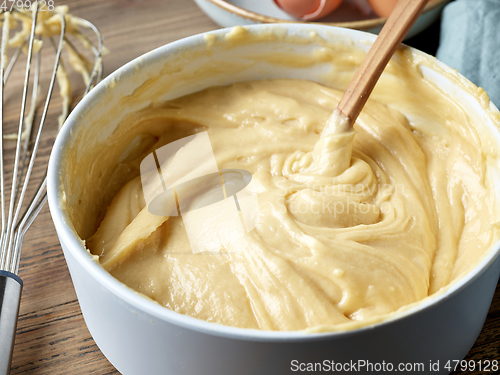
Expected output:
(383, 8)
(308, 10)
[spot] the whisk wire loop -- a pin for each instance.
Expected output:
(14, 223)
(11, 265)
(7, 239)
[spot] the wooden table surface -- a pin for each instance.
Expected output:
(52, 337)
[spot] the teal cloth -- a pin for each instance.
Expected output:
(470, 42)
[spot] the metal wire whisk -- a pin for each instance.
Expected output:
(15, 221)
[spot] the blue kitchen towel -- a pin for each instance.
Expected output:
(470, 42)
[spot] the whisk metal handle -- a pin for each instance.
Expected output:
(11, 286)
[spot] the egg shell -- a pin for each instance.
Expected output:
(384, 8)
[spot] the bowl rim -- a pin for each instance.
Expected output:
(358, 25)
(75, 245)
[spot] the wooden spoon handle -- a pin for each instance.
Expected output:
(390, 37)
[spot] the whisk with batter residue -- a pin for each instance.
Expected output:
(34, 27)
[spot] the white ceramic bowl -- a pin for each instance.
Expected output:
(228, 13)
(139, 336)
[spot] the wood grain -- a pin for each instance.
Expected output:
(52, 337)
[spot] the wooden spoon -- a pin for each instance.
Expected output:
(390, 37)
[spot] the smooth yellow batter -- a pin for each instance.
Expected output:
(351, 226)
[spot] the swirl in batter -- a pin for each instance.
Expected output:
(351, 226)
